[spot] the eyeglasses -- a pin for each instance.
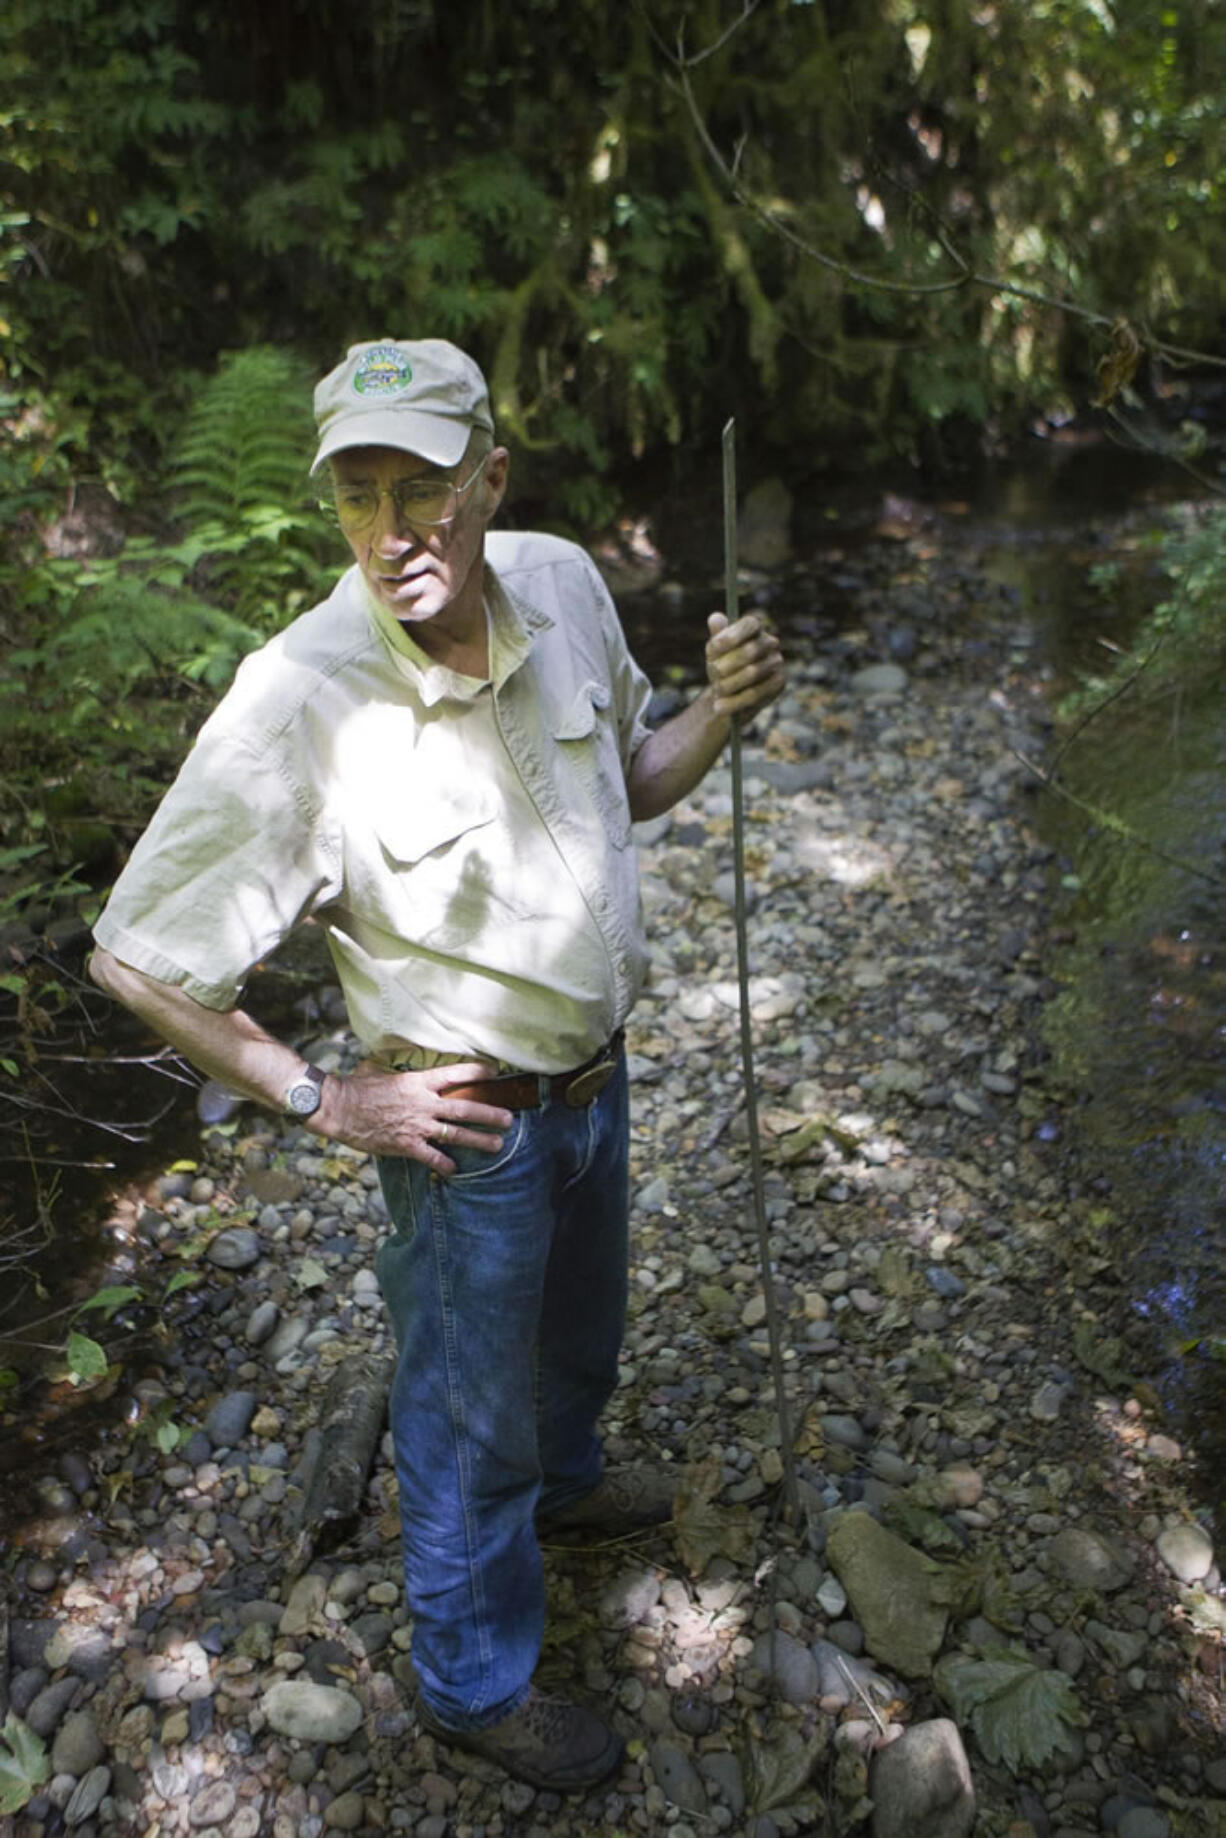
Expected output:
(426, 503)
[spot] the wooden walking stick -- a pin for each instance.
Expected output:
(791, 1496)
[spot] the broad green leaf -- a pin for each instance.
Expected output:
(921, 1525)
(780, 1768)
(112, 1298)
(181, 1279)
(23, 1764)
(183, 1167)
(702, 1528)
(9, 858)
(168, 1436)
(86, 1359)
(1020, 1712)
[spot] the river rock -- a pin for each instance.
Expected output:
(879, 680)
(236, 1249)
(24, 1687)
(48, 1708)
(1089, 1560)
(261, 1323)
(78, 1747)
(789, 1664)
(305, 1606)
(921, 1784)
(723, 1774)
(346, 1812)
(212, 1805)
(678, 1778)
(1122, 1648)
(845, 1431)
(890, 1587)
(87, 1796)
(85, 1650)
(313, 1713)
(1143, 1822)
(832, 1597)
(1186, 1551)
(230, 1418)
(629, 1598)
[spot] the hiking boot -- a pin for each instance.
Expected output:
(548, 1742)
(623, 1500)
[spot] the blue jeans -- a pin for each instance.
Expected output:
(506, 1284)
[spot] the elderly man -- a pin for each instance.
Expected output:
(442, 763)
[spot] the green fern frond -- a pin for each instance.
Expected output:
(248, 439)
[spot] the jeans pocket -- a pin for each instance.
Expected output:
(396, 1180)
(478, 1164)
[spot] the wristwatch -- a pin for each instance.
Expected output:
(305, 1095)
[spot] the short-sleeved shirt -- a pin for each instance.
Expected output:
(466, 844)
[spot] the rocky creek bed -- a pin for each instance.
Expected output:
(999, 1609)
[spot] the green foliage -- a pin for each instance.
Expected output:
(24, 1764)
(86, 1359)
(246, 442)
(1020, 1713)
(112, 1297)
(1181, 644)
(121, 654)
(920, 1525)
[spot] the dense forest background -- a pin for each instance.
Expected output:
(875, 230)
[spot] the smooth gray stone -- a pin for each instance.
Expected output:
(1187, 1552)
(1088, 1560)
(87, 1796)
(50, 1706)
(1121, 1648)
(313, 1713)
(28, 1637)
(230, 1418)
(236, 1249)
(678, 1778)
(1143, 1822)
(723, 1773)
(261, 1323)
(24, 1687)
(921, 1784)
(789, 1663)
(78, 1747)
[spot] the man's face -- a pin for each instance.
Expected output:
(414, 569)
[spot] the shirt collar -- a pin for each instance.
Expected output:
(512, 623)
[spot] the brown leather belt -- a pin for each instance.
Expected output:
(530, 1090)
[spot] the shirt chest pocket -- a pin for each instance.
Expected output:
(433, 867)
(586, 735)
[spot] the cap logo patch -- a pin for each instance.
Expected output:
(381, 372)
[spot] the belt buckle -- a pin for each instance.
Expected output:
(587, 1085)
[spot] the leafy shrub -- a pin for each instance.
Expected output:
(1181, 644)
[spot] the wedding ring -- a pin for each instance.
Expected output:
(444, 1132)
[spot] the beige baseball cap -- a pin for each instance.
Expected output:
(423, 395)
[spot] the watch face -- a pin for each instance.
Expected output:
(303, 1098)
